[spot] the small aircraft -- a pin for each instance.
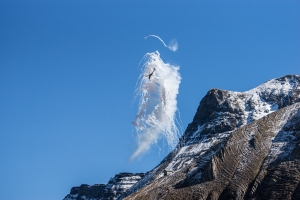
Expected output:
(151, 74)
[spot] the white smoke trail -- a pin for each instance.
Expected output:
(173, 45)
(157, 90)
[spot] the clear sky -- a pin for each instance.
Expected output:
(68, 70)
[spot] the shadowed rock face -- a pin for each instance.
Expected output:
(240, 145)
(94, 191)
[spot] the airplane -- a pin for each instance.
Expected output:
(151, 74)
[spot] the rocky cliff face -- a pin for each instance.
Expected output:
(116, 186)
(240, 145)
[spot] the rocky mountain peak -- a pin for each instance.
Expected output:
(222, 111)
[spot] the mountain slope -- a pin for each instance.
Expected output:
(240, 145)
(259, 160)
(220, 113)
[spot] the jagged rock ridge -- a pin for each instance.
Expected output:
(112, 190)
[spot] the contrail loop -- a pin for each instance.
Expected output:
(173, 46)
(158, 38)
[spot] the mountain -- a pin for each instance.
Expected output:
(240, 145)
(115, 187)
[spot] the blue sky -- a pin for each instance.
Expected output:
(68, 71)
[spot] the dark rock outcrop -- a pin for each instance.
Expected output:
(95, 191)
(116, 186)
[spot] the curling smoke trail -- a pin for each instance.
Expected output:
(157, 90)
(173, 45)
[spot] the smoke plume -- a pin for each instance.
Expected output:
(156, 90)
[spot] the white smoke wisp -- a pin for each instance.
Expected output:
(173, 45)
(157, 94)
